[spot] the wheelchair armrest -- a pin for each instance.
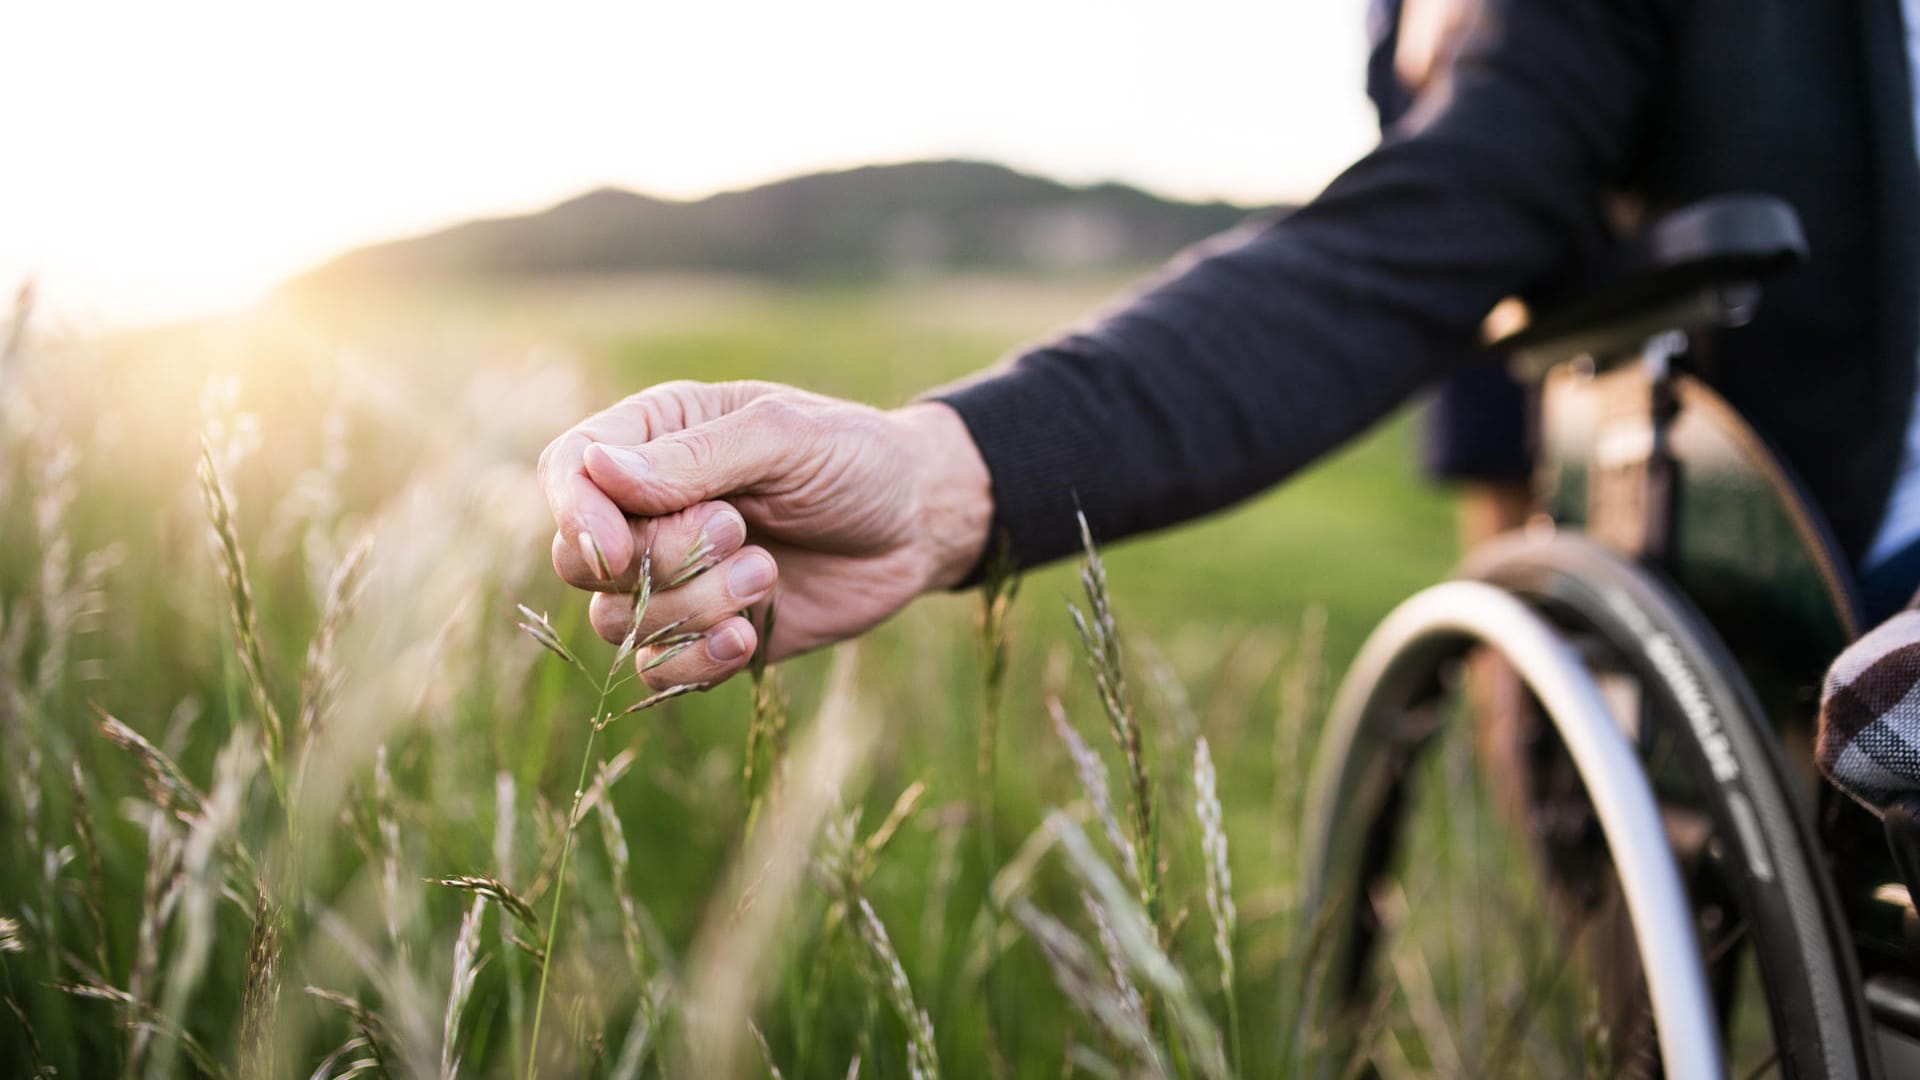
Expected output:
(1696, 267)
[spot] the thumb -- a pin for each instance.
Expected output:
(731, 454)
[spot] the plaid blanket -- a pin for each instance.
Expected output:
(1869, 738)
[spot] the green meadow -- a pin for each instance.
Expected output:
(262, 691)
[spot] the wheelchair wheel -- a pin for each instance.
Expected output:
(1481, 898)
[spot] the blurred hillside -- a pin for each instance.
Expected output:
(922, 218)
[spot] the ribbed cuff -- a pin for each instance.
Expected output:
(1032, 450)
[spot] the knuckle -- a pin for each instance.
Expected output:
(664, 405)
(543, 466)
(737, 394)
(699, 451)
(670, 388)
(777, 410)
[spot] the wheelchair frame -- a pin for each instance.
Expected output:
(1695, 271)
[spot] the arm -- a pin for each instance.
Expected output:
(1270, 347)
(1264, 350)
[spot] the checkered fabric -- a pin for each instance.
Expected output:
(1869, 739)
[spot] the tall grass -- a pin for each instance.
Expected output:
(1100, 635)
(304, 801)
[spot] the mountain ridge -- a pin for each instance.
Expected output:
(922, 217)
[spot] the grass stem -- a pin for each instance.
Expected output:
(542, 631)
(559, 888)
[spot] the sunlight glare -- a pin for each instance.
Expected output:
(174, 159)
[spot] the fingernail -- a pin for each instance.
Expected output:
(726, 646)
(627, 461)
(724, 531)
(590, 551)
(750, 575)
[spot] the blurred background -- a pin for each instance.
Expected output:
(189, 160)
(300, 296)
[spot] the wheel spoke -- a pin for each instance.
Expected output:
(1520, 1015)
(1772, 1061)
(1733, 936)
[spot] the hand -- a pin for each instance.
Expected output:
(743, 490)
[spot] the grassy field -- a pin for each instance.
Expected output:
(222, 848)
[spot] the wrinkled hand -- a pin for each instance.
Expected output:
(741, 490)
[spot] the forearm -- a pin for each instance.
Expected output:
(1208, 389)
(1275, 346)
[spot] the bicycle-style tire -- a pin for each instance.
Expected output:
(1766, 861)
(1797, 936)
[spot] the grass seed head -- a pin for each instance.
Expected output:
(671, 652)
(1093, 782)
(661, 635)
(903, 808)
(166, 783)
(600, 563)
(923, 1062)
(1134, 1005)
(1100, 634)
(245, 615)
(698, 561)
(541, 630)
(142, 1018)
(613, 838)
(1213, 840)
(373, 1030)
(1088, 988)
(642, 595)
(260, 1001)
(1219, 878)
(1139, 942)
(496, 890)
(653, 700)
(765, 752)
(467, 963)
(320, 679)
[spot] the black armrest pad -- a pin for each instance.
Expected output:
(1727, 240)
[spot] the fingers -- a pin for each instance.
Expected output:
(611, 615)
(588, 520)
(739, 452)
(592, 529)
(704, 533)
(737, 582)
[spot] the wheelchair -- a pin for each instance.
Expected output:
(1565, 818)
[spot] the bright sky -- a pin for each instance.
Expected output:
(174, 158)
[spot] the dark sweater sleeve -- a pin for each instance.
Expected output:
(1267, 347)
